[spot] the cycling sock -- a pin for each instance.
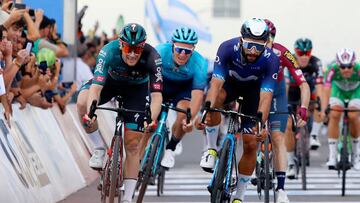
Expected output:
(332, 147)
(212, 135)
(130, 185)
(95, 138)
(241, 186)
(173, 142)
(291, 158)
(355, 145)
(315, 128)
(280, 175)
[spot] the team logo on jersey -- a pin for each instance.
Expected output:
(157, 86)
(298, 72)
(237, 76)
(99, 66)
(158, 75)
(236, 47)
(275, 76)
(291, 58)
(217, 60)
(102, 53)
(267, 53)
(158, 62)
(99, 78)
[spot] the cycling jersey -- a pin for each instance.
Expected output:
(110, 63)
(230, 64)
(343, 88)
(245, 79)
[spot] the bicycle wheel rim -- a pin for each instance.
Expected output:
(267, 170)
(148, 169)
(304, 149)
(114, 169)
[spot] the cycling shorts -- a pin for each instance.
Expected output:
(338, 97)
(279, 104)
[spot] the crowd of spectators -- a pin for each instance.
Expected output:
(33, 55)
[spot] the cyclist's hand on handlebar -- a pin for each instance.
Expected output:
(87, 121)
(300, 122)
(187, 127)
(198, 124)
(150, 127)
(303, 113)
(259, 137)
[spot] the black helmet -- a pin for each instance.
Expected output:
(255, 29)
(133, 34)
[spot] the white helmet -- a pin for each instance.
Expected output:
(345, 57)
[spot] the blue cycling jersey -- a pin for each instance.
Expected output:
(230, 64)
(193, 71)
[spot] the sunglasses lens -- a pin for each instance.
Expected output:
(250, 45)
(126, 48)
(346, 67)
(181, 49)
(303, 53)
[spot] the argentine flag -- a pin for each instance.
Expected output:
(178, 15)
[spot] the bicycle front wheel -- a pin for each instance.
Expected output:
(148, 169)
(114, 170)
(217, 190)
(304, 151)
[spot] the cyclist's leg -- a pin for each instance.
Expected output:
(247, 162)
(336, 102)
(278, 125)
(355, 128)
(290, 148)
(135, 98)
(98, 152)
(315, 128)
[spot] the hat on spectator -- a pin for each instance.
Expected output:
(47, 55)
(3, 16)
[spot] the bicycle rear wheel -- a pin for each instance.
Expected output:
(344, 160)
(267, 170)
(148, 169)
(217, 190)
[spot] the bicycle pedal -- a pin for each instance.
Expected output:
(333, 168)
(253, 181)
(291, 177)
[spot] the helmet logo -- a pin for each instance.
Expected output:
(133, 26)
(346, 56)
(257, 27)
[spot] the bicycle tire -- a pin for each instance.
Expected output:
(218, 184)
(160, 182)
(258, 173)
(114, 170)
(148, 169)
(304, 150)
(344, 160)
(267, 171)
(105, 182)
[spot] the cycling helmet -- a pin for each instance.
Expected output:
(47, 55)
(255, 29)
(303, 44)
(133, 34)
(185, 35)
(271, 26)
(345, 57)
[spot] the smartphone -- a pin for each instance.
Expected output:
(20, 6)
(11, 6)
(43, 66)
(32, 12)
(28, 47)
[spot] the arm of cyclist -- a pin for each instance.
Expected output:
(94, 94)
(326, 93)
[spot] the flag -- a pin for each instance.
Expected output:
(178, 15)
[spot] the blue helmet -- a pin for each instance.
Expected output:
(185, 35)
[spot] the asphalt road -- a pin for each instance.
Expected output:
(186, 182)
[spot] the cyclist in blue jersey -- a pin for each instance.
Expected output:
(184, 72)
(244, 67)
(128, 67)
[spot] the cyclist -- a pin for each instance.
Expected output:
(244, 67)
(342, 82)
(278, 122)
(184, 71)
(311, 67)
(128, 67)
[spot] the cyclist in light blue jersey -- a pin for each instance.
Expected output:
(184, 73)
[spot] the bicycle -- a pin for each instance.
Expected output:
(344, 163)
(222, 184)
(111, 174)
(150, 164)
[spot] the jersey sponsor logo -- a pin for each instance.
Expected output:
(159, 77)
(136, 116)
(291, 58)
(267, 53)
(102, 53)
(236, 47)
(255, 68)
(275, 76)
(217, 60)
(298, 72)
(158, 62)
(99, 78)
(157, 86)
(218, 76)
(238, 77)
(99, 66)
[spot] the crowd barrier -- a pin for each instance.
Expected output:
(44, 154)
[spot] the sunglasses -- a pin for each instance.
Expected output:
(127, 48)
(346, 67)
(250, 44)
(180, 49)
(302, 53)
